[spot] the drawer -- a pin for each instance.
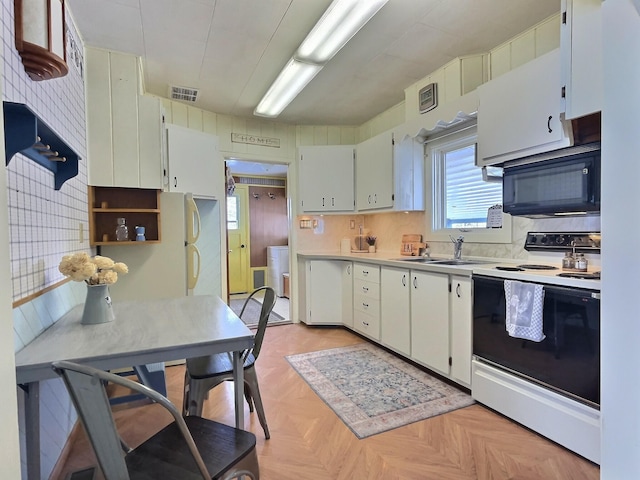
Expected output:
(366, 304)
(368, 325)
(366, 289)
(363, 271)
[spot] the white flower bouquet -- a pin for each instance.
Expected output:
(98, 270)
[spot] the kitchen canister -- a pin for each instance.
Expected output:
(345, 245)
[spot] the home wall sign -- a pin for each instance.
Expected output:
(255, 140)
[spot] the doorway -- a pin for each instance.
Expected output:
(257, 228)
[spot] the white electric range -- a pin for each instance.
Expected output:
(553, 385)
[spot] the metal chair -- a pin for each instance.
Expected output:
(188, 448)
(204, 373)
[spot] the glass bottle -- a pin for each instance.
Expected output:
(122, 231)
(568, 261)
(581, 263)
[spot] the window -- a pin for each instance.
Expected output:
(460, 197)
(232, 213)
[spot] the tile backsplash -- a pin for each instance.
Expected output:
(388, 228)
(45, 223)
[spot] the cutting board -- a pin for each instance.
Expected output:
(412, 244)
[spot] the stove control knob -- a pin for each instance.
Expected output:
(560, 240)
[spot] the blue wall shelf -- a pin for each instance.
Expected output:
(25, 133)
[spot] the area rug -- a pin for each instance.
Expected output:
(252, 312)
(373, 391)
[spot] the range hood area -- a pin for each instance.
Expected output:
(27, 134)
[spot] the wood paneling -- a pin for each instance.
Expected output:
(267, 220)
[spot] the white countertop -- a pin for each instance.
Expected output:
(487, 267)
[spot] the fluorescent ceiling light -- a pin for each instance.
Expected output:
(338, 25)
(292, 79)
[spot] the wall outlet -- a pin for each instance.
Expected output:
(352, 224)
(81, 232)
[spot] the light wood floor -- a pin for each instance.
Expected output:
(308, 441)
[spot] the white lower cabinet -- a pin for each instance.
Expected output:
(366, 300)
(347, 294)
(395, 309)
(430, 320)
(424, 316)
(461, 329)
(322, 296)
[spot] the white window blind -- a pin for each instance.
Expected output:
(468, 197)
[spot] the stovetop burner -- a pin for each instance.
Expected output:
(537, 267)
(583, 275)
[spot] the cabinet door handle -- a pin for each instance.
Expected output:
(365, 289)
(549, 124)
(365, 305)
(175, 182)
(458, 290)
(404, 280)
(348, 269)
(333, 201)
(323, 201)
(365, 324)
(369, 199)
(415, 282)
(365, 272)
(375, 198)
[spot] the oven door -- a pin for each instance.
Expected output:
(567, 360)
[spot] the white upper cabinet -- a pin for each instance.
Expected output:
(581, 46)
(124, 128)
(326, 178)
(195, 163)
(389, 174)
(408, 175)
(374, 173)
(519, 112)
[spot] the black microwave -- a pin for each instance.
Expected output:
(566, 182)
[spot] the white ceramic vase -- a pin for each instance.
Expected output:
(97, 306)
(372, 249)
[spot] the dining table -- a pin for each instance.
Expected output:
(143, 332)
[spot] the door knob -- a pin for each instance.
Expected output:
(242, 246)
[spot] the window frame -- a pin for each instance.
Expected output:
(435, 201)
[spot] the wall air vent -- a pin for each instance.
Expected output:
(186, 94)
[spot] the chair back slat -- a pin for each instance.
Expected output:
(268, 303)
(91, 403)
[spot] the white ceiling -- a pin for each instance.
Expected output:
(232, 50)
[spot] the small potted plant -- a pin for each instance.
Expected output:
(371, 240)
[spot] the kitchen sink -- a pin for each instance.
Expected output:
(415, 259)
(459, 262)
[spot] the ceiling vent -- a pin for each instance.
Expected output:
(186, 94)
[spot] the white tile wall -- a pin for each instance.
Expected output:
(44, 223)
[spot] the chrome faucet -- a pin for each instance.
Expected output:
(457, 246)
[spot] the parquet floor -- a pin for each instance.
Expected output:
(308, 441)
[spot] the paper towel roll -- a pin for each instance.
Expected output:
(345, 245)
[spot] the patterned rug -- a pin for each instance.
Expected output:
(373, 391)
(252, 312)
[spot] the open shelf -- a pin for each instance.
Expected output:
(140, 207)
